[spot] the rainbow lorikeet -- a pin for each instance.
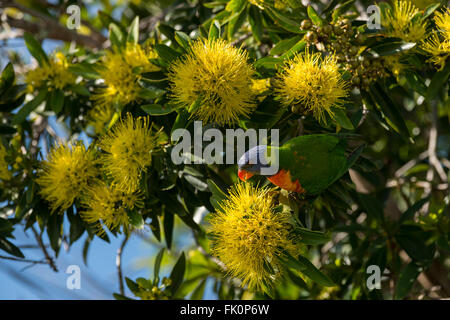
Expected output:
(307, 164)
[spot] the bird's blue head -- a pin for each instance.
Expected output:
(252, 162)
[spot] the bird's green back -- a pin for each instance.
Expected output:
(315, 160)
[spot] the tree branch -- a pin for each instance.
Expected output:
(44, 249)
(119, 264)
(51, 27)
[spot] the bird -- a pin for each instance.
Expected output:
(307, 164)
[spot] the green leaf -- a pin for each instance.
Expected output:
(54, 231)
(133, 33)
(390, 109)
(177, 274)
(416, 82)
(235, 22)
(7, 129)
(438, 82)
(7, 78)
(56, 100)
(255, 20)
(314, 274)
(116, 36)
(388, 47)
(157, 109)
(86, 246)
(168, 227)
(339, 11)
(214, 30)
(311, 237)
(35, 48)
(183, 39)
(269, 63)
(409, 214)
(76, 226)
(7, 246)
(181, 121)
(20, 116)
(80, 89)
(341, 118)
(5, 225)
(372, 206)
(414, 246)
(158, 261)
(120, 297)
(199, 291)
(166, 53)
(406, 280)
(430, 9)
(216, 191)
(299, 46)
(314, 16)
(133, 286)
(156, 228)
(284, 45)
(136, 219)
(235, 5)
(150, 93)
(283, 21)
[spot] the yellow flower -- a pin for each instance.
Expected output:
(250, 236)
(5, 174)
(437, 48)
(404, 21)
(312, 84)
(442, 20)
(214, 82)
(121, 73)
(66, 174)
(109, 206)
(55, 74)
(128, 150)
(99, 117)
(138, 57)
(260, 86)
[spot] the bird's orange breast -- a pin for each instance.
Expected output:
(283, 180)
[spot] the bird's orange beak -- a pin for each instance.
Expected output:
(244, 175)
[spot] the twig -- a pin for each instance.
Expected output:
(44, 250)
(53, 28)
(119, 264)
(403, 169)
(23, 260)
(432, 142)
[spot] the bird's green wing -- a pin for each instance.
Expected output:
(315, 160)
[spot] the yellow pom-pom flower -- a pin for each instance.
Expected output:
(404, 21)
(216, 78)
(55, 74)
(110, 206)
(66, 174)
(5, 174)
(438, 45)
(99, 118)
(250, 235)
(312, 84)
(121, 73)
(128, 150)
